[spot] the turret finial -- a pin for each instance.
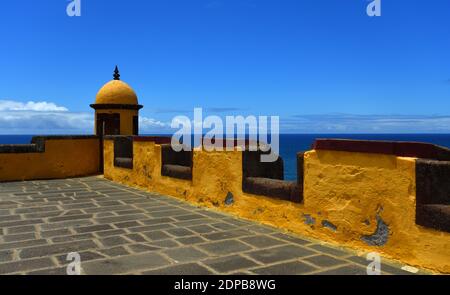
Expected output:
(116, 74)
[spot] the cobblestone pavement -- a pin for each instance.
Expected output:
(122, 230)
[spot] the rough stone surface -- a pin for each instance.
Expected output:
(121, 230)
(288, 268)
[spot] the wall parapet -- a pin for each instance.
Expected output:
(397, 148)
(53, 156)
(37, 144)
(432, 173)
(267, 179)
(357, 195)
(433, 194)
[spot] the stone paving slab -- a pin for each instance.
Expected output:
(122, 230)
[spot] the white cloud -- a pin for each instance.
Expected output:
(41, 106)
(48, 118)
(40, 122)
(151, 126)
(150, 122)
(348, 123)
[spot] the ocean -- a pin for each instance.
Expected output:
(290, 144)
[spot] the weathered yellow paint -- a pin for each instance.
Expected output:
(126, 119)
(62, 158)
(116, 92)
(146, 170)
(350, 189)
(346, 189)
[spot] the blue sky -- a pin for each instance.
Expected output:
(322, 66)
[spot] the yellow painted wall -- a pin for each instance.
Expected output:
(346, 189)
(350, 189)
(62, 158)
(126, 119)
(146, 170)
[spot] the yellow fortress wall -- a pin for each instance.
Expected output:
(57, 157)
(361, 200)
(357, 191)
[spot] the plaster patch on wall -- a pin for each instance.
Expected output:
(329, 225)
(309, 220)
(229, 199)
(381, 235)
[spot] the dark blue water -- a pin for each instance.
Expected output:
(291, 144)
(15, 139)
